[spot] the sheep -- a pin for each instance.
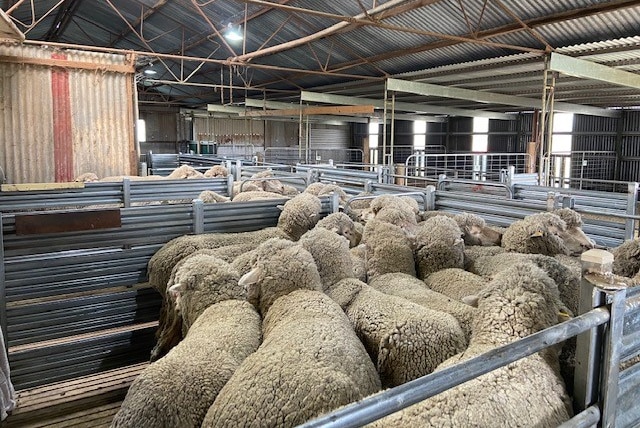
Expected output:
(300, 214)
(567, 282)
(322, 189)
(406, 340)
(87, 177)
(163, 261)
(271, 185)
(341, 224)
(256, 196)
(400, 202)
(288, 190)
(247, 187)
(210, 197)
(626, 258)
(439, 245)
(416, 291)
(388, 248)
(455, 283)
(474, 229)
(574, 237)
(546, 233)
(356, 208)
(310, 361)
(185, 171)
(216, 171)
(520, 301)
(178, 389)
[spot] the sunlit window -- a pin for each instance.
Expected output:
(141, 130)
(562, 128)
(419, 134)
(480, 138)
(374, 134)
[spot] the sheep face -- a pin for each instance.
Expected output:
(576, 240)
(478, 235)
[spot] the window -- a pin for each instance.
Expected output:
(141, 130)
(419, 134)
(562, 128)
(480, 138)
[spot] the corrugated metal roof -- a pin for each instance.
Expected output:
(356, 50)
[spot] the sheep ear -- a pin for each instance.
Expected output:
(175, 290)
(537, 234)
(563, 316)
(335, 229)
(249, 282)
(471, 300)
(280, 207)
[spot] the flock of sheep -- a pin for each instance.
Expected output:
(275, 327)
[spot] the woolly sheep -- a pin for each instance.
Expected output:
(455, 283)
(178, 389)
(416, 291)
(163, 261)
(626, 258)
(341, 224)
(381, 202)
(288, 190)
(355, 208)
(310, 361)
(300, 214)
(388, 248)
(87, 177)
(209, 197)
(322, 189)
(256, 196)
(474, 229)
(406, 340)
(272, 185)
(567, 282)
(216, 171)
(439, 245)
(247, 187)
(185, 171)
(517, 303)
(543, 233)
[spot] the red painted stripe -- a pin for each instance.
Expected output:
(62, 133)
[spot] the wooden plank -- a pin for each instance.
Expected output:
(33, 224)
(97, 416)
(336, 110)
(65, 340)
(50, 62)
(31, 187)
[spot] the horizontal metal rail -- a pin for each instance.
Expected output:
(443, 181)
(290, 177)
(422, 195)
(392, 400)
(586, 419)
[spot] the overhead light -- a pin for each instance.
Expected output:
(233, 33)
(150, 72)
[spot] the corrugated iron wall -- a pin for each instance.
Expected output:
(629, 168)
(61, 121)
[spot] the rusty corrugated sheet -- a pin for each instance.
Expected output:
(59, 122)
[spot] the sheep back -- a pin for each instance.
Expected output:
(178, 389)
(388, 249)
(310, 363)
(299, 215)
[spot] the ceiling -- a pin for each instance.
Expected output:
(348, 47)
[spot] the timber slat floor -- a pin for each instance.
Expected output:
(90, 401)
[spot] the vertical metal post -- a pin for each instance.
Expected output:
(368, 186)
(238, 171)
(126, 192)
(545, 128)
(589, 344)
(198, 216)
(300, 132)
(335, 202)
(632, 198)
(393, 127)
(616, 299)
(383, 155)
(3, 289)
(230, 185)
(430, 191)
